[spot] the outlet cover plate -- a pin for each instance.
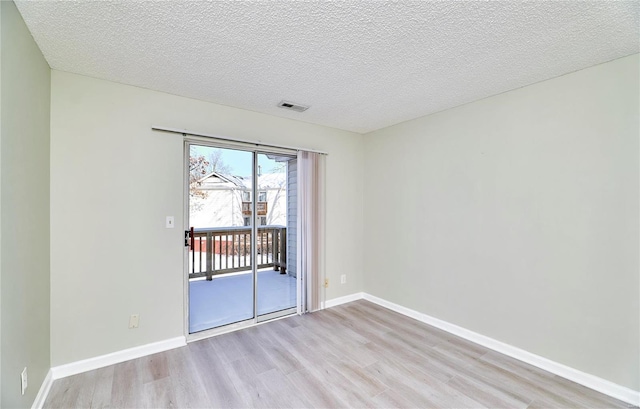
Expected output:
(23, 380)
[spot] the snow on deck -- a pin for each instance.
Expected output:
(229, 298)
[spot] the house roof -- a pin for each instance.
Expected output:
(235, 180)
(265, 180)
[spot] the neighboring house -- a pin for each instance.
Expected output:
(228, 201)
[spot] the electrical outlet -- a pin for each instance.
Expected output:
(133, 321)
(326, 283)
(23, 379)
(343, 279)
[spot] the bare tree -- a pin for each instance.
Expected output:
(279, 168)
(274, 211)
(198, 168)
(217, 163)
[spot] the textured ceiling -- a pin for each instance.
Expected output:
(361, 65)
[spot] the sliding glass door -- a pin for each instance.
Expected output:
(276, 211)
(241, 237)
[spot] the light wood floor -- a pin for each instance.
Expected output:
(355, 355)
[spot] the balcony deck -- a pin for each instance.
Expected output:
(229, 298)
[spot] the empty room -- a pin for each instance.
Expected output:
(283, 204)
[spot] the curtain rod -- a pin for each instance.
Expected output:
(185, 132)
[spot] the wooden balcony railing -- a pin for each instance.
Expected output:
(223, 250)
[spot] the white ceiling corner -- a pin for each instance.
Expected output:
(360, 65)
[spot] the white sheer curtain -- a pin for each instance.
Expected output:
(311, 239)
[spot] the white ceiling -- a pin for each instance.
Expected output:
(361, 65)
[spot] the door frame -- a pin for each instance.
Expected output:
(256, 320)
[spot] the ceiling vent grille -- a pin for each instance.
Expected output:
(292, 106)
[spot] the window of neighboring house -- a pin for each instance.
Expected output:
(246, 196)
(262, 196)
(262, 221)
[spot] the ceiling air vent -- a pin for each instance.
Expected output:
(292, 106)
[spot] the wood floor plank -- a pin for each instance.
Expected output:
(281, 357)
(346, 347)
(340, 386)
(399, 322)
(103, 385)
(515, 366)
(245, 380)
(158, 394)
(355, 355)
(126, 391)
(419, 387)
(215, 379)
(226, 347)
(390, 399)
(154, 367)
(489, 397)
(360, 378)
(415, 360)
(85, 394)
(284, 393)
(328, 323)
(314, 391)
(538, 391)
(311, 349)
(64, 392)
(547, 387)
(462, 347)
(189, 390)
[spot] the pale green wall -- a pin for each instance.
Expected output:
(24, 192)
(517, 217)
(114, 182)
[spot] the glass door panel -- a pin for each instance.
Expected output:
(221, 279)
(276, 244)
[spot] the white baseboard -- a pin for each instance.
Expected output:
(590, 381)
(101, 361)
(342, 300)
(43, 392)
